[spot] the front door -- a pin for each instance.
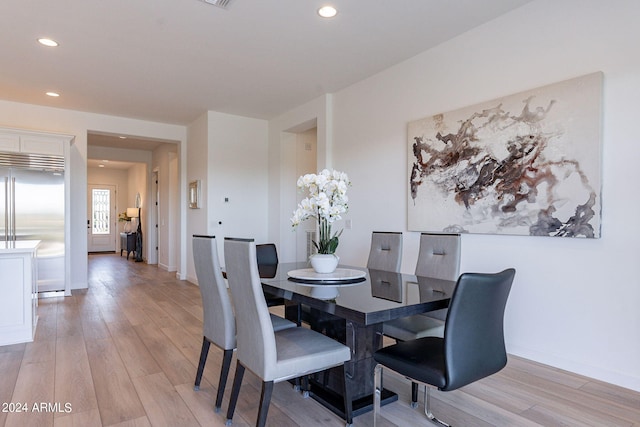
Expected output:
(102, 218)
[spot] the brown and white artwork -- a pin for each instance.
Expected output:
(526, 164)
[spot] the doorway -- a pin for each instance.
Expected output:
(155, 215)
(306, 162)
(101, 223)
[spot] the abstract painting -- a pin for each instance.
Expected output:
(525, 164)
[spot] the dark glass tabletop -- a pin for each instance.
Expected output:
(381, 296)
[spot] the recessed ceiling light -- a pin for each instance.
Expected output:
(48, 42)
(122, 137)
(100, 166)
(53, 94)
(327, 11)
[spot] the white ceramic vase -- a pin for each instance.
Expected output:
(324, 292)
(324, 263)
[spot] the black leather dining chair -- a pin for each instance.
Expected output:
(472, 347)
(267, 254)
(267, 257)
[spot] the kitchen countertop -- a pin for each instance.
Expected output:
(20, 246)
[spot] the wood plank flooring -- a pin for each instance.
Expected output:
(124, 353)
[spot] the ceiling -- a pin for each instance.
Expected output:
(172, 60)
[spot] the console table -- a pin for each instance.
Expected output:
(128, 242)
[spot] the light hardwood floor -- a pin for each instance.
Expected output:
(124, 353)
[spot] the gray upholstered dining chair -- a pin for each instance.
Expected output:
(386, 285)
(273, 356)
(385, 258)
(219, 325)
(439, 258)
(472, 347)
(386, 251)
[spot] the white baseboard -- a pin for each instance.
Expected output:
(168, 268)
(617, 378)
(82, 285)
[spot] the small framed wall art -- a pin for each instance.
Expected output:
(194, 194)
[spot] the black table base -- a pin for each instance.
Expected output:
(334, 401)
(326, 387)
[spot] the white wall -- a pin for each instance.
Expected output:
(574, 303)
(283, 169)
(138, 184)
(174, 234)
(229, 155)
(165, 163)
(237, 170)
(197, 169)
(27, 116)
(306, 162)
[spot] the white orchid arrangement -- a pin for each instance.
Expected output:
(327, 202)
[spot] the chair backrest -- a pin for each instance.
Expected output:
(386, 285)
(256, 339)
(219, 322)
(267, 257)
(386, 251)
(473, 333)
(267, 254)
(439, 256)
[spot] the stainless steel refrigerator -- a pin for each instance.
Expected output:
(32, 208)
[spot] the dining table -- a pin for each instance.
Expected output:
(351, 306)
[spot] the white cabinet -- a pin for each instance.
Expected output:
(39, 144)
(18, 291)
(31, 142)
(10, 142)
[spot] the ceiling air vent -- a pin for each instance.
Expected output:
(220, 3)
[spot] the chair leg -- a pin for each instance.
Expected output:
(414, 395)
(293, 312)
(377, 391)
(233, 400)
(203, 359)
(224, 373)
(348, 404)
(306, 388)
(297, 309)
(427, 408)
(265, 399)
